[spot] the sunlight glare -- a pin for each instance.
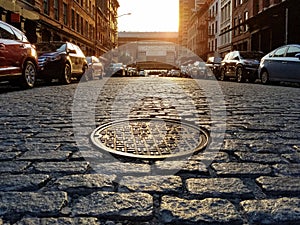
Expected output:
(148, 15)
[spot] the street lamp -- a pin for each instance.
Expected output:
(125, 14)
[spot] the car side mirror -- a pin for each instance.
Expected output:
(298, 55)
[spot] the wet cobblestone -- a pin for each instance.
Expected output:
(48, 176)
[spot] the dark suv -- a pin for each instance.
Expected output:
(214, 64)
(240, 65)
(61, 60)
(18, 58)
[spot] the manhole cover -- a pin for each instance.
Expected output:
(150, 138)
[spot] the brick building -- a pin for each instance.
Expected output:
(91, 24)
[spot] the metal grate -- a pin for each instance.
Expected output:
(150, 138)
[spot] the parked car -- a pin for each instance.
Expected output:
(281, 64)
(61, 60)
(18, 58)
(174, 73)
(214, 64)
(240, 65)
(116, 69)
(95, 68)
(197, 70)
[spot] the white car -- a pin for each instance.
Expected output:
(95, 67)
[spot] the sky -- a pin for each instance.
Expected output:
(148, 15)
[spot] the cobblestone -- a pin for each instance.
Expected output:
(136, 206)
(241, 169)
(280, 185)
(183, 166)
(292, 169)
(218, 187)
(272, 211)
(50, 173)
(84, 182)
(207, 211)
(45, 155)
(22, 182)
(259, 157)
(152, 184)
(58, 221)
(31, 203)
(13, 167)
(61, 167)
(122, 168)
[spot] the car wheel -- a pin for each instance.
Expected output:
(91, 74)
(29, 75)
(264, 77)
(222, 75)
(67, 75)
(240, 75)
(85, 75)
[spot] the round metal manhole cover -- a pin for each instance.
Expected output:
(150, 138)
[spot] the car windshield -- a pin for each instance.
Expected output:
(51, 47)
(117, 65)
(251, 55)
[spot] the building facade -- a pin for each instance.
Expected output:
(198, 30)
(246, 25)
(155, 48)
(186, 8)
(91, 24)
(274, 23)
(225, 27)
(241, 11)
(214, 28)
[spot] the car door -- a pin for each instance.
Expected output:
(225, 63)
(12, 51)
(291, 64)
(81, 59)
(234, 60)
(71, 51)
(275, 64)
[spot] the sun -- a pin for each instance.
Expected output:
(148, 15)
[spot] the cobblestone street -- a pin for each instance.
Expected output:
(51, 173)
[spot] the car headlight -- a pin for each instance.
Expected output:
(33, 52)
(54, 58)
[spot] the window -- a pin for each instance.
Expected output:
(246, 17)
(86, 28)
(241, 28)
(56, 9)
(280, 52)
(6, 32)
(292, 51)
(65, 12)
(235, 23)
(216, 44)
(73, 19)
(77, 22)
(81, 25)
(46, 6)
(266, 3)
